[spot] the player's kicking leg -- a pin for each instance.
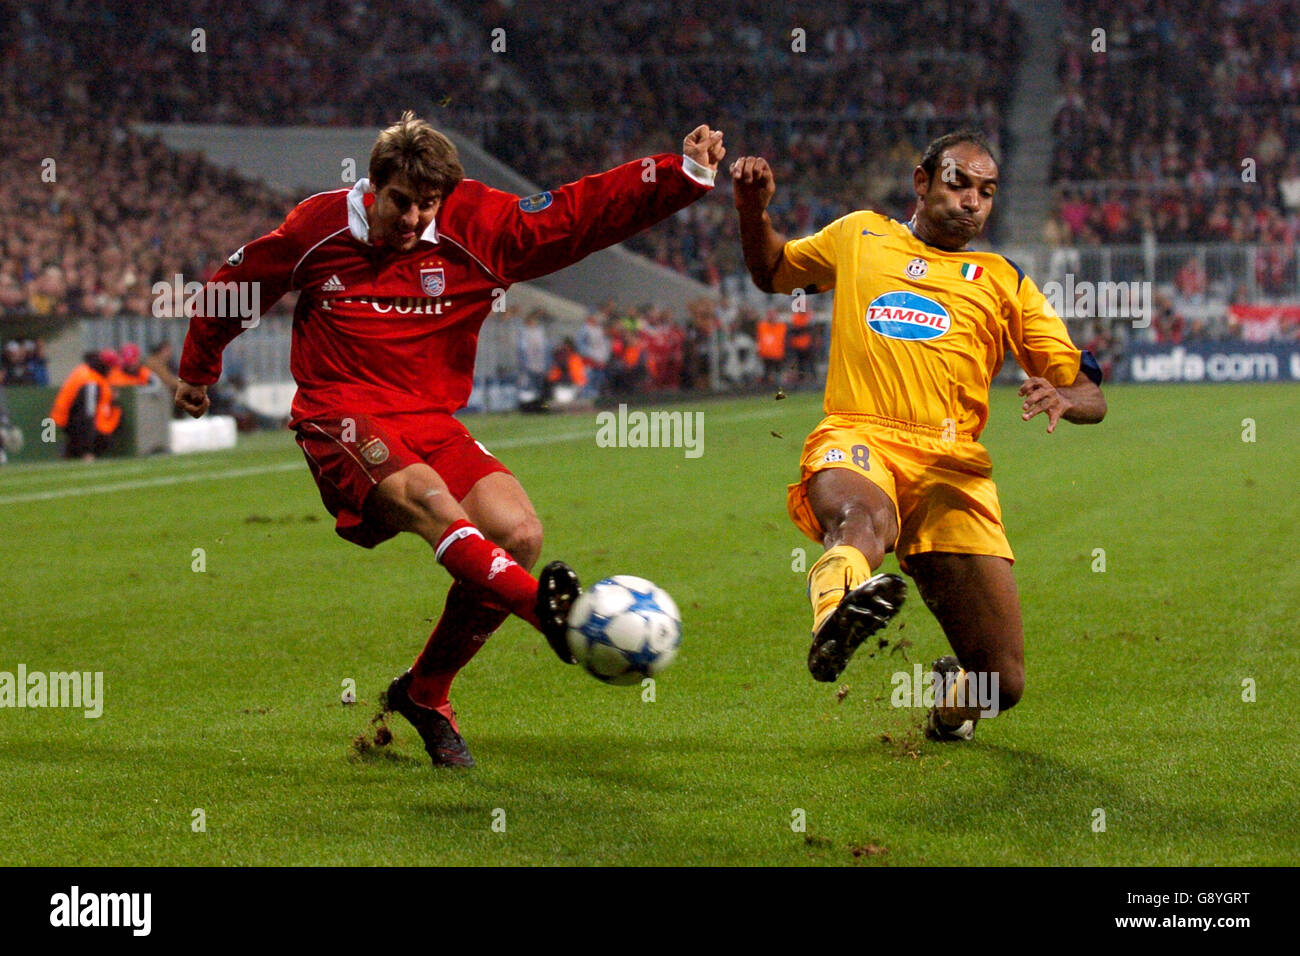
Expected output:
(416, 499)
(488, 541)
(859, 525)
(974, 598)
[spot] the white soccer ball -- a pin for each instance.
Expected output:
(624, 629)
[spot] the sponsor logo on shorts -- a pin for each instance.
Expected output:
(908, 316)
(917, 268)
(536, 202)
(835, 454)
(432, 281)
(375, 452)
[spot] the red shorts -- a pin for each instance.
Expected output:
(349, 456)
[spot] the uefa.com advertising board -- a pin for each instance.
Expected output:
(1210, 362)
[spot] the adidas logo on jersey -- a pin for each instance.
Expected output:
(332, 284)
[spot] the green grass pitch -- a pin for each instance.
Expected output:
(222, 686)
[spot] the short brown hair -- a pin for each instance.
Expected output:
(414, 149)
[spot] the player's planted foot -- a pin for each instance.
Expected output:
(446, 748)
(862, 612)
(947, 675)
(557, 589)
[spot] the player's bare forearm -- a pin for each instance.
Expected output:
(1080, 402)
(761, 245)
(1087, 405)
(753, 186)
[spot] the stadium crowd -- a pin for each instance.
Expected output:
(206, 62)
(882, 77)
(623, 351)
(1183, 128)
(96, 214)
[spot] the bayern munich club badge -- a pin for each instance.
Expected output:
(375, 452)
(432, 281)
(917, 268)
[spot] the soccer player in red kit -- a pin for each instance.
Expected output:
(396, 275)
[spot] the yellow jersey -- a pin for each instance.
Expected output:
(917, 332)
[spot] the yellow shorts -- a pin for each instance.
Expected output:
(941, 486)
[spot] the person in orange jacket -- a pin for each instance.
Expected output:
(771, 346)
(85, 408)
(567, 366)
(131, 371)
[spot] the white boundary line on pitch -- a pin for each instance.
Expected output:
(146, 483)
(164, 480)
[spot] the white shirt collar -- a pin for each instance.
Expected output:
(359, 226)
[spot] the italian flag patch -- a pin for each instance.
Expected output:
(971, 271)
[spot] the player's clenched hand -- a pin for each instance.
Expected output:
(752, 183)
(704, 145)
(192, 399)
(1040, 395)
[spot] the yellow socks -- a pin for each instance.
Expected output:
(836, 573)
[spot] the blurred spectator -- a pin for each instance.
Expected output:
(801, 347)
(38, 372)
(11, 439)
(594, 347)
(85, 407)
(132, 371)
(533, 362)
(23, 363)
(771, 334)
(627, 366)
(567, 366)
(741, 365)
(162, 363)
(699, 347)
(14, 368)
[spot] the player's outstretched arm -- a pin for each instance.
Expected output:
(1080, 403)
(753, 186)
(520, 239)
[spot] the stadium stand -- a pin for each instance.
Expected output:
(841, 97)
(1134, 157)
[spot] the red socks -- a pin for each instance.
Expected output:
(467, 621)
(489, 586)
(471, 558)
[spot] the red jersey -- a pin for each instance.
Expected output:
(377, 331)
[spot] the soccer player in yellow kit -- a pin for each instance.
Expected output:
(920, 327)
